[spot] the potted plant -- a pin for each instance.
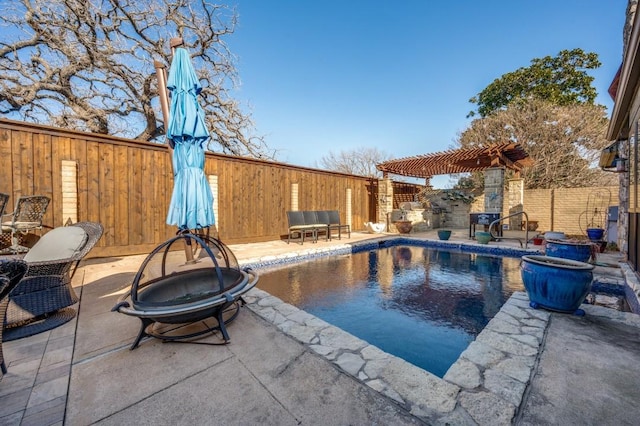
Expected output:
(556, 284)
(444, 234)
(403, 225)
(483, 237)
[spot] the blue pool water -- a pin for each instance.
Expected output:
(422, 304)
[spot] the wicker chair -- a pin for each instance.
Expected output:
(26, 217)
(41, 301)
(5, 239)
(11, 272)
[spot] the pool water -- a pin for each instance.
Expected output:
(422, 304)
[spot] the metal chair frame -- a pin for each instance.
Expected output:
(26, 217)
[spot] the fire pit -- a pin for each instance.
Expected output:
(185, 280)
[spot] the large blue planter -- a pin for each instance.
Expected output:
(556, 284)
(569, 250)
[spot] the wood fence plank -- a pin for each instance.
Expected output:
(106, 185)
(121, 168)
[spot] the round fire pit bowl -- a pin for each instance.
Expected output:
(185, 280)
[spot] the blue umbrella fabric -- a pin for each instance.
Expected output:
(191, 201)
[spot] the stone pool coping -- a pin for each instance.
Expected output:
(484, 386)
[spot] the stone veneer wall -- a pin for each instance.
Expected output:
(554, 209)
(493, 190)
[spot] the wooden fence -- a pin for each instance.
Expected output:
(126, 185)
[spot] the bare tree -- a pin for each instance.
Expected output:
(359, 161)
(564, 141)
(88, 65)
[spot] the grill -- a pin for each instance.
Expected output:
(186, 280)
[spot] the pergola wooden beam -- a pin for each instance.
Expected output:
(510, 155)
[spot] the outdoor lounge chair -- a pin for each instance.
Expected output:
(26, 217)
(41, 300)
(11, 272)
(297, 226)
(334, 224)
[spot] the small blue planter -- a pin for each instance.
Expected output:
(556, 284)
(595, 234)
(483, 237)
(444, 234)
(568, 250)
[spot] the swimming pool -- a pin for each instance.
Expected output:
(422, 304)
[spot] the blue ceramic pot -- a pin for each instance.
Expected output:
(483, 237)
(554, 283)
(569, 250)
(444, 234)
(595, 234)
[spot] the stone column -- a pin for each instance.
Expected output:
(623, 200)
(493, 190)
(515, 202)
(385, 199)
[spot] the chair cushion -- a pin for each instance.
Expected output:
(59, 243)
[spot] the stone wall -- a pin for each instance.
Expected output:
(554, 209)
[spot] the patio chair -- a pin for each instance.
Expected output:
(11, 272)
(26, 217)
(298, 226)
(4, 198)
(5, 238)
(41, 301)
(334, 224)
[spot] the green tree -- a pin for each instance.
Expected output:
(561, 80)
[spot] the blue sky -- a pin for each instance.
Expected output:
(339, 75)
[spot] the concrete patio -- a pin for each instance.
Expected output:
(284, 366)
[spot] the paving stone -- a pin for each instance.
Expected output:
(539, 314)
(298, 331)
(373, 352)
(458, 417)
(519, 302)
(534, 322)
(481, 353)
(12, 419)
(383, 388)
(487, 409)
(518, 368)
(51, 413)
(500, 326)
(420, 387)
(532, 341)
(14, 402)
(48, 391)
(506, 344)
(507, 388)
(464, 374)
(514, 311)
(325, 351)
(349, 362)
(374, 367)
(270, 301)
(286, 309)
(536, 332)
(336, 338)
(505, 317)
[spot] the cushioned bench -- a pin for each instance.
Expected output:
(314, 222)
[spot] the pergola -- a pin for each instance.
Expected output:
(509, 155)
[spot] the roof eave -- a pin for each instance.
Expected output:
(629, 79)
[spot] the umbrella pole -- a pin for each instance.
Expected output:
(161, 73)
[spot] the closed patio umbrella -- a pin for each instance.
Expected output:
(191, 204)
